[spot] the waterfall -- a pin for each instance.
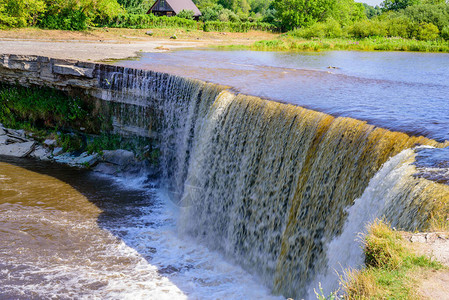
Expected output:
(270, 185)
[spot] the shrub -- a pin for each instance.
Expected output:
(426, 32)
(445, 33)
(67, 19)
(186, 14)
(367, 28)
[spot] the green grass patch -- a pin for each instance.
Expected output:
(289, 43)
(43, 108)
(392, 268)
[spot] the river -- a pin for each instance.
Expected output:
(265, 188)
(402, 91)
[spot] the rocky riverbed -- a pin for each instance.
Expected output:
(119, 162)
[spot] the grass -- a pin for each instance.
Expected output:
(392, 268)
(289, 43)
(48, 113)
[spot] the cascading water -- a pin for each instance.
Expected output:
(271, 185)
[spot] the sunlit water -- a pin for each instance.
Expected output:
(406, 92)
(73, 234)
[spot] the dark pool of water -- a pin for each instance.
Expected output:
(407, 92)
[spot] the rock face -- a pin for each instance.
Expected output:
(17, 149)
(434, 244)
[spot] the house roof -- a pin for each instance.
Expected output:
(178, 5)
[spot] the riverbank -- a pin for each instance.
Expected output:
(100, 44)
(20, 143)
(104, 44)
(401, 265)
(286, 43)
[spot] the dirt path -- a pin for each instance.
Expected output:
(112, 43)
(434, 284)
(88, 51)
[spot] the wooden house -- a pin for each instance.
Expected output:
(173, 7)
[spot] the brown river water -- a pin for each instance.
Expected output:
(113, 240)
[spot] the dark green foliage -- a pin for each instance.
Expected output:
(236, 26)
(445, 33)
(186, 14)
(150, 21)
(136, 6)
(395, 5)
(67, 19)
(302, 13)
(437, 15)
(42, 107)
(371, 11)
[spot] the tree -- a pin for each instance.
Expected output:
(20, 13)
(396, 5)
(302, 13)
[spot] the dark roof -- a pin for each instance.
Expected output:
(178, 5)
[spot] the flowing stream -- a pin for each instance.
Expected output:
(257, 198)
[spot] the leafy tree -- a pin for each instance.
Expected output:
(211, 13)
(426, 32)
(20, 13)
(302, 13)
(428, 13)
(347, 12)
(371, 11)
(186, 14)
(136, 6)
(396, 5)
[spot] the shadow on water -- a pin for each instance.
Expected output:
(158, 263)
(121, 203)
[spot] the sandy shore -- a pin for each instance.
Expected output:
(112, 43)
(87, 50)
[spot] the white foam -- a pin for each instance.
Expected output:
(345, 251)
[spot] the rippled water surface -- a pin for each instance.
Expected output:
(408, 92)
(71, 234)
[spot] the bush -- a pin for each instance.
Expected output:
(399, 27)
(236, 26)
(150, 21)
(435, 14)
(426, 32)
(365, 28)
(329, 29)
(186, 14)
(20, 13)
(445, 33)
(66, 20)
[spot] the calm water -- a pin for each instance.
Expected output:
(72, 234)
(407, 92)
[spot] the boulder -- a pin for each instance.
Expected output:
(17, 149)
(89, 160)
(107, 168)
(50, 142)
(119, 157)
(72, 70)
(40, 153)
(57, 151)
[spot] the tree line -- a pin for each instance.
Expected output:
(419, 19)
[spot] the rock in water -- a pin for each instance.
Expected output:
(17, 149)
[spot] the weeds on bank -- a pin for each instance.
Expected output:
(287, 43)
(48, 113)
(392, 269)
